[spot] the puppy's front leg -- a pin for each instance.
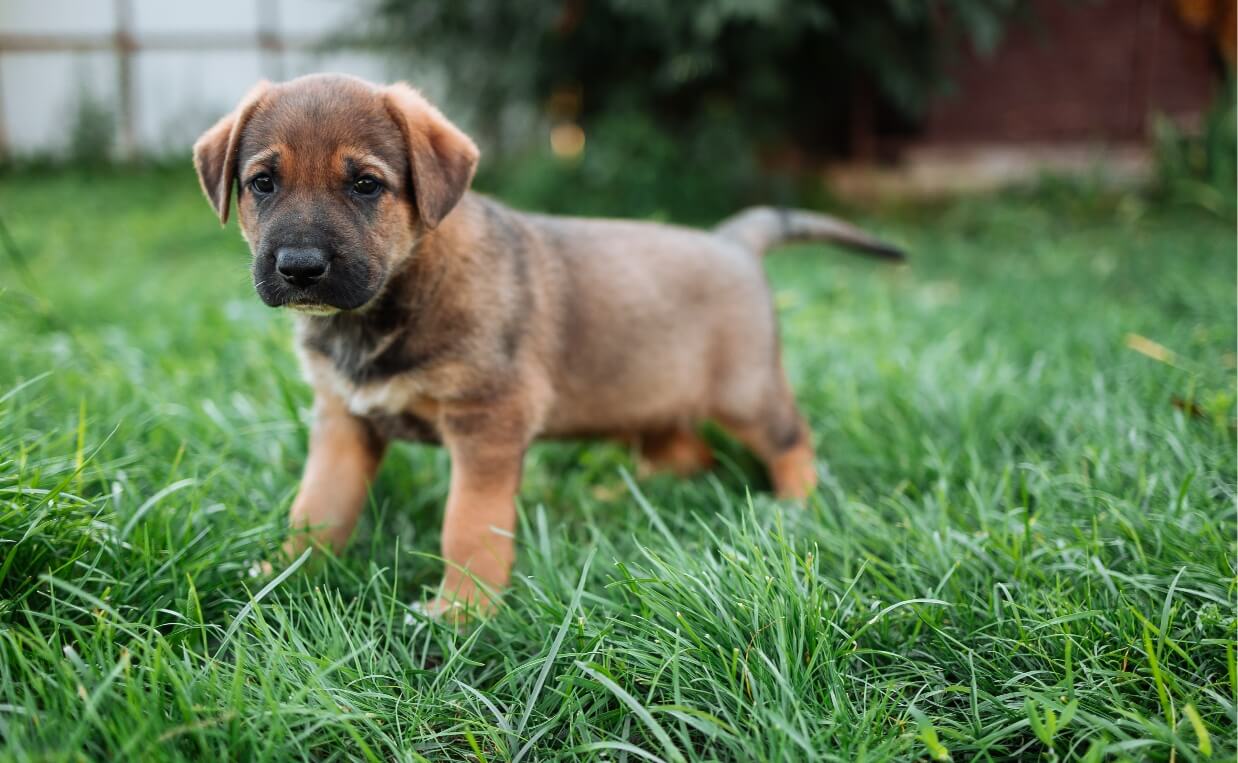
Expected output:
(344, 454)
(487, 451)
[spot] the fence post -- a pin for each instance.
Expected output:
(4, 135)
(270, 44)
(125, 46)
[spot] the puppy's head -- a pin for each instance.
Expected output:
(335, 181)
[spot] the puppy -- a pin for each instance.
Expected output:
(433, 314)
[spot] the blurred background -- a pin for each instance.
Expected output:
(592, 105)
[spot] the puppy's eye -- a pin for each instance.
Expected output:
(365, 186)
(263, 184)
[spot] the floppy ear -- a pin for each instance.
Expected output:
(214, 154)
(442, 158)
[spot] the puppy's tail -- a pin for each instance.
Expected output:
(760, 228)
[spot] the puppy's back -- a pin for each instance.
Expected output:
(649, 317)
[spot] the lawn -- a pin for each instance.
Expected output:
(1023, 545)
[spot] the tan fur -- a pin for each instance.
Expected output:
(679, 451)
(485, 328)
(343, 458)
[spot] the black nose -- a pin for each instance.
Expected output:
(301, 267)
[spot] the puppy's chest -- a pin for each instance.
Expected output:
(380, 377)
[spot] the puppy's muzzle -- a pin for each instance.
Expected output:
(301, 266)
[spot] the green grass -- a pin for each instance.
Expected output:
(1023, 546)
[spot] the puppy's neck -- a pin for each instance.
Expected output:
(415, 321)
(463, 291)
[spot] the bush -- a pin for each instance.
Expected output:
(632, 167)
(781, 71)
(1200, 168)
(92, 131)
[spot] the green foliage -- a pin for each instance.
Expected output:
(785, 71)
(631, 167)
(1023, 546)
(92, 131)
(1200, 168)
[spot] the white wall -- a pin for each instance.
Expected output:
(176, 93)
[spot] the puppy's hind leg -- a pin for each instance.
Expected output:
(778, 435)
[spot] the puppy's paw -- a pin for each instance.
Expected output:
(267, 568)
(450, 611)
(435, 609)
(457, 610)
(263, 569)
(794, 473)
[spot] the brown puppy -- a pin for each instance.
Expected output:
(434, 314)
